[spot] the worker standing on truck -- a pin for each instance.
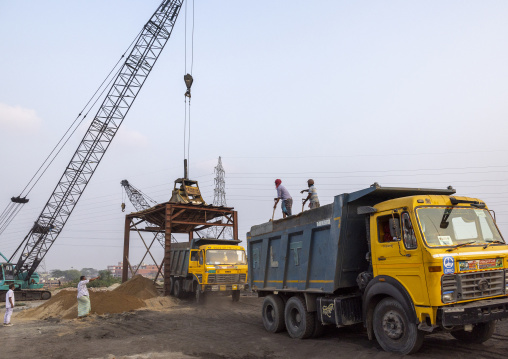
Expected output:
(312, 197)
(84, 297)
(9, 305)
(287, 200)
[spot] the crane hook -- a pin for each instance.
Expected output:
(188, 82)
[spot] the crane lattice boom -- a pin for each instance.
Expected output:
(102, 130)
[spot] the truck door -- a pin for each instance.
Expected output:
(194, 261)
(397, 253)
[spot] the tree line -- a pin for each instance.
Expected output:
(71, 276)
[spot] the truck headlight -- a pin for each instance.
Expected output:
(448, 297)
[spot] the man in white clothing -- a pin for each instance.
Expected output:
(9, 305)
(83, 296)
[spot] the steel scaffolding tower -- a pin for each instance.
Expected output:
(219, 200)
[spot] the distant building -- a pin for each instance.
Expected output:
(116, 270)
(146, 270)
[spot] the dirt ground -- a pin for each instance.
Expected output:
(219, 329)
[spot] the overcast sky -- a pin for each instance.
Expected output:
(403, 93)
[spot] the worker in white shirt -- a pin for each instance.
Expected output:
(84, 306)
(9, 305)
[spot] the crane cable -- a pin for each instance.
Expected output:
(188, 82)
(14, 207)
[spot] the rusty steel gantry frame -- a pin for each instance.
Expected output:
(171, 218)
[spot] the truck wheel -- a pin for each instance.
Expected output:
(171, 285)
(235, 296)
(393, 330)
(481, 332)
(200, 296)
(45, 295)
(300, 324)
(273, 313)
(177, 288)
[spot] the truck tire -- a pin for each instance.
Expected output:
(200, 296)
(393, 330)
(481, 332)
(300, 324)
(273, 313)
(45, 295)
(171, 285)
(235, 296)
(178, 288)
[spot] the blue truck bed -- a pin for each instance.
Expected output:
(321, 250)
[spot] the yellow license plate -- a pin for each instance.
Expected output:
(235, 287)
(222, 287)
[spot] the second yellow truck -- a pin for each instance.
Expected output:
(205, 266)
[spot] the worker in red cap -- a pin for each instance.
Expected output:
(287, 200)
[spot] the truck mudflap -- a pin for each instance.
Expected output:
(474, 312)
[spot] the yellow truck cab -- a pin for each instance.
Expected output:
(447, 252)
(208, 265)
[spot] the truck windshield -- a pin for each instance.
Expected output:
(451, 226)
(225, 256)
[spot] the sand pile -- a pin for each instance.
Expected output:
(129, 296)
(139, 287)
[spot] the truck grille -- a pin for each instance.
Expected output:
(481, 284)
(474, 285)
(227, 278)
(449, 283)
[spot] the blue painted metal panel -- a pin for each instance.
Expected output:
(321, 250)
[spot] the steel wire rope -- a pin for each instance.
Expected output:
(369, 171)
(367, 155)
(6, 210)
(9, 219)
(187, 114)
(192, 66)
(54, 155)
(87, 204)
(81, 112)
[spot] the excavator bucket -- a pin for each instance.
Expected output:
(187, 191)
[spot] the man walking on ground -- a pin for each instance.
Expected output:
(84, 297)
(283, 194)
(312, 197)
(9, 305)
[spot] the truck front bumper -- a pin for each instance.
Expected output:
(474, 312)
(224, 287)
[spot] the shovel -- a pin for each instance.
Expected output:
(274, 208)
(303, 203)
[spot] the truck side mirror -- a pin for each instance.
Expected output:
(200, 256)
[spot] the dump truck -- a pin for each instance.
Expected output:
(207, 265)
(24, 289)
(404, 262)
